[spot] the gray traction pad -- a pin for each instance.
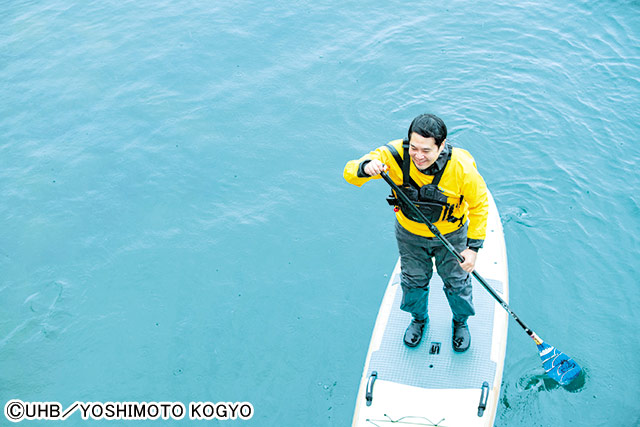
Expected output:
(396, 362)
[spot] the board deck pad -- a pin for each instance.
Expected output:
(396, 362)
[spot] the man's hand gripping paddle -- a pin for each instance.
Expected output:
(558, 365)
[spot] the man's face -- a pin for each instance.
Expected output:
(423, 151)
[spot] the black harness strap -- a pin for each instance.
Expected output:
(406, 176)
(406, 164)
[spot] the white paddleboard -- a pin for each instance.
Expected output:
(431, 385)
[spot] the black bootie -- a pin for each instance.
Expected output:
(461, 338)
(414, 331)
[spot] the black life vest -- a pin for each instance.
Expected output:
(429, 199)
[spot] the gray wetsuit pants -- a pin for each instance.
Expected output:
(416, 253)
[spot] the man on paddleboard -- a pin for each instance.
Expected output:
(445, 185)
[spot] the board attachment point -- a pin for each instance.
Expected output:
(435, 348)
(484, 397)
(372, 380)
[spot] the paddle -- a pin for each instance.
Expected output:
(558, 365)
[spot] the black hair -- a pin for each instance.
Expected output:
(429, 126)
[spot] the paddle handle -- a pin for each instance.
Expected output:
(450, 248)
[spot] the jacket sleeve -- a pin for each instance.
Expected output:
(354, 174)
(474, 190)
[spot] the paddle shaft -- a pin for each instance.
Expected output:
(450, 248)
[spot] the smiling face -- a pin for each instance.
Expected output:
(423, 151)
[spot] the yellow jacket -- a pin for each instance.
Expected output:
(460, 178)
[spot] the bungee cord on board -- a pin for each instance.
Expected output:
(404, 421)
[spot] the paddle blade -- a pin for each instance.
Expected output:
(558, 365)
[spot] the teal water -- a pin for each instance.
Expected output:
(174, 225)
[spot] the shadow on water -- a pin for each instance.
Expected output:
(539, 381)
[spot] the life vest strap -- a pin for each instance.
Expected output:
(406, 163)
(444, 211)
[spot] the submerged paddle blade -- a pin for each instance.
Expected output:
(558, 365)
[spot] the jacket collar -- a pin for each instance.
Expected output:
(440, 162)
